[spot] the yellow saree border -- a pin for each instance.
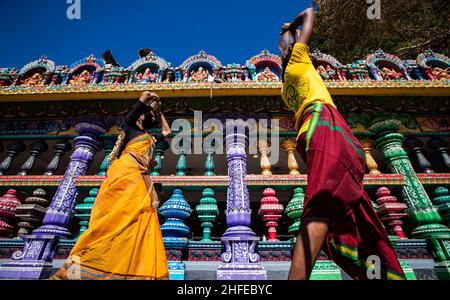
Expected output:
(76, 271)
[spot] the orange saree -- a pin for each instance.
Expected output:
(124, 240)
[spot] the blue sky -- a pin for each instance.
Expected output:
(232, 30)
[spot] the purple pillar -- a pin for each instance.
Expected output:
(240, 260)
(35, 260)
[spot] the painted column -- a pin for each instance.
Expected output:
(370, 161)
(239, 261)
(442, 147)
(391, 212)
(441, 198)
(13, 150)
(35, 260)
(175, 232)
(207, 212)
(288, 145)
(423, 215)
(36, 149)
(181, 164)
(415, 147)
(60, 211)
(83, 209)
(294, 211)
(263, 147)
(270, 212)
(108, 145)
(59, 148)
(161, 147)
(209, 162)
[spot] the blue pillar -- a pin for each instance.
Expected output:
(175, 232)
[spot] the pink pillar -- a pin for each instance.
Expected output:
(391, 211)
(270, 211)
(8, 205)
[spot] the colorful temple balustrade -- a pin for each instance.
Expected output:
(54, 157)
(195, 187)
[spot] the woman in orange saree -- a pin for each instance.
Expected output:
(124, 240)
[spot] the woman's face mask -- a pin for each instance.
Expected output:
(149, 121)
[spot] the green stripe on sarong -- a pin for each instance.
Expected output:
(352, 254)
(339, 129)
(315, 117)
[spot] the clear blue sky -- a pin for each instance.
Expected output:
(232, 30)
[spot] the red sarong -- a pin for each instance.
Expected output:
(336, 166)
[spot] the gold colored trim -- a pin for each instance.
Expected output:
(181, 89)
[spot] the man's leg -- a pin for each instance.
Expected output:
(310, 239)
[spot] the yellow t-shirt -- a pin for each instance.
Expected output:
(303, 85)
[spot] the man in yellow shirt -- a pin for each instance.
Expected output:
(337, 213)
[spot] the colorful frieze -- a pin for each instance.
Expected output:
(265, 67)
(328, 67)
(233, 73)
(150, 68)
(84, 72)
(202, 68)
(434, 66)
(36, 73)
(384, 66)
(198, 68)
(7, 76)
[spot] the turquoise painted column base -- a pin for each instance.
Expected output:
(441, 249)
(177, 270)
(409, 272)
(443, 270)
(326, 270)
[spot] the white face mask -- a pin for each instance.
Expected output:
(155, 106)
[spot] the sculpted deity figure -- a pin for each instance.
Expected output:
(33, 80)
(201, 75)
(169, 76)
(147, 76)
(267, 76)
(331, 73)
(83, 78)
(323, 72)
(442, 74)
(390, 74)
(340, 74)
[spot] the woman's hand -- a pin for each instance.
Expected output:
(147, 96)
(165, 126)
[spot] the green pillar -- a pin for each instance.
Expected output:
(207, 212)
(108, 145)
(441, 198)
(209, 162)
(294, 210)
(181, 164)
(83, 210)
(441, 252)
(161, 147)
(423, 215)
